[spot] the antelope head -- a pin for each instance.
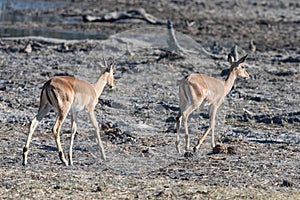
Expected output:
(110, 69)
(238, 66)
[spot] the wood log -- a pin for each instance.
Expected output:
(172, 41)
(139, 13)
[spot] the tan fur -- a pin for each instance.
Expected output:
(68, 94)
(197, 88)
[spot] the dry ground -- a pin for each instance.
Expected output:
(260, 118)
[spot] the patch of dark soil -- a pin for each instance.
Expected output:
(221, 148)
(286, 183)
(116, 136)
(280, 119)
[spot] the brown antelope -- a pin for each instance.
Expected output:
(64, 94)
(197, 88)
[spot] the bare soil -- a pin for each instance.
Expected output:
(258, 124)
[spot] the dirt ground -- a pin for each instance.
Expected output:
(259, 119)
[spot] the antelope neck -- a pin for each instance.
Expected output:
(100, 83)
(228, 84)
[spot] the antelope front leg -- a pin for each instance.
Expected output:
(74, 130)
(97, 134)
(212, 115)
(177, 143)
(187, 153)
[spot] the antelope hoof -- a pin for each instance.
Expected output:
(188, 154)
(24, 163)
(62, 158)
(24, 160)
(70, 160)
(66, 163)
(25, 149)
(213, 145)
(195, 149)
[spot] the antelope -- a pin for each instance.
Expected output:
(68, 94)
(195, 89)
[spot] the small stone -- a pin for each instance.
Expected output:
(286, 183)
(219, 148)
(28, 49)
(231, 150)
(99, 189)
(188, 154)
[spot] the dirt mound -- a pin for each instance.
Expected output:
(115, 135)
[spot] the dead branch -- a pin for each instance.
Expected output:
(212, 55)
(176, 51)
(139, 13)
(172, 41)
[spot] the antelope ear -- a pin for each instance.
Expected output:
(107, 67)
(105, 62)
(242, 59)
(111, 63)
(230, 58)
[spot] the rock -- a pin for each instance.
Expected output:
(231, 150)
(256, 98)
(277, 120)
(116, 135)
(188, 154)
(171, 120)
(286, 183)
(117, 105)
(285, 73)
(147, 152)
(28, 48)
(291, 59)
(3, 88)
(220, 148)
